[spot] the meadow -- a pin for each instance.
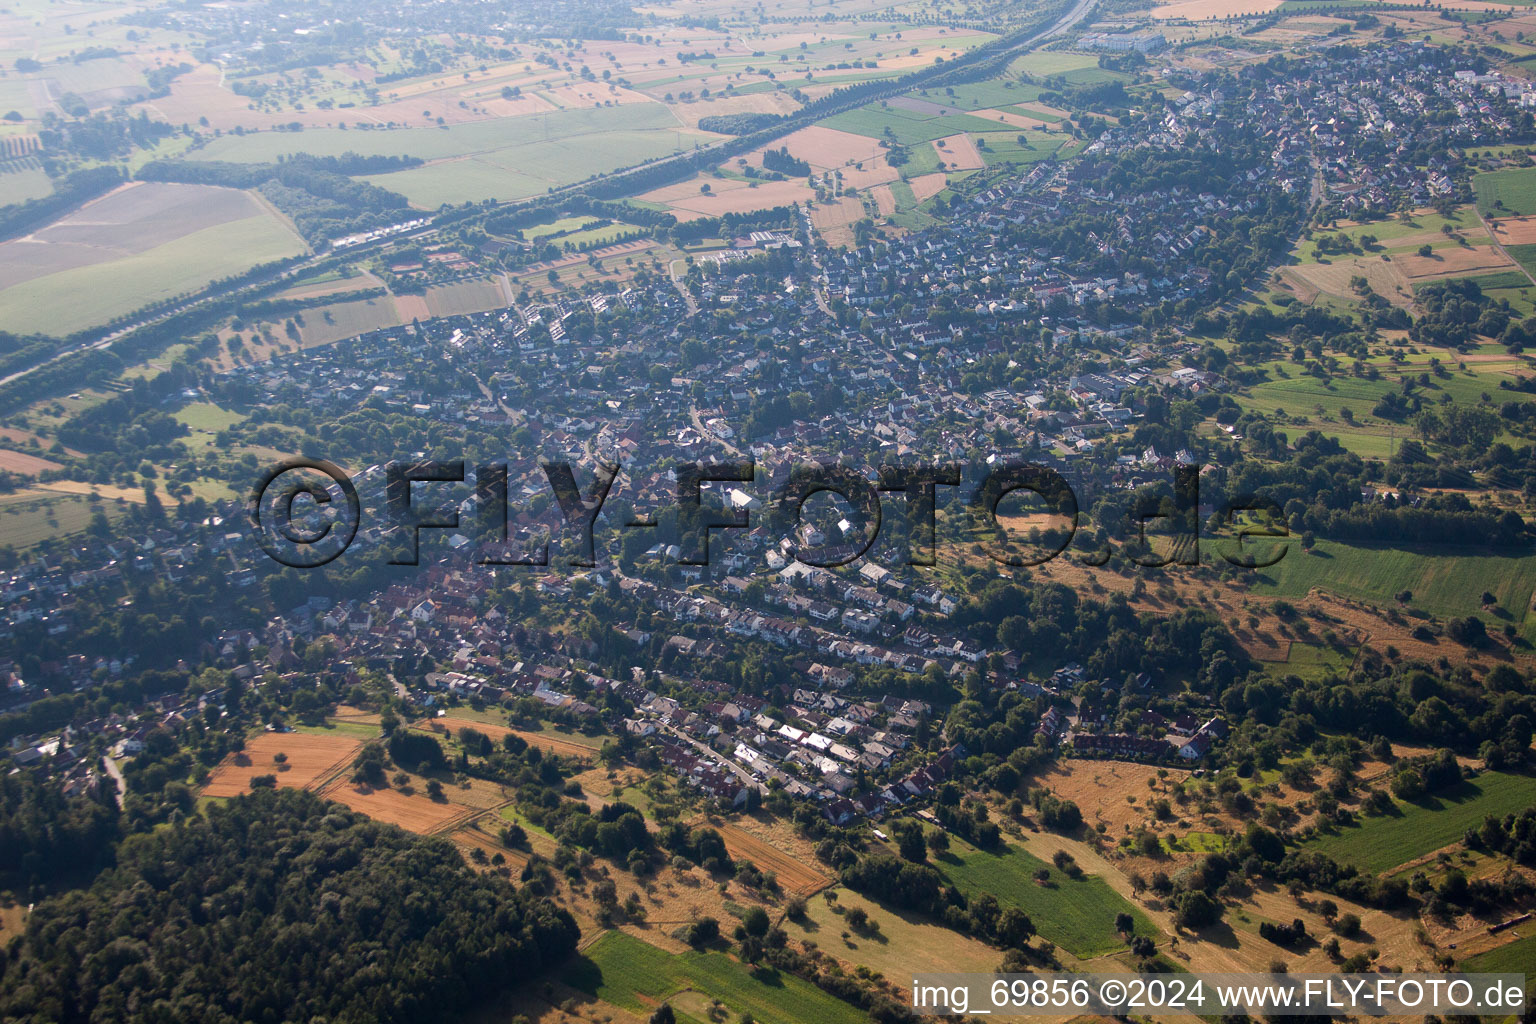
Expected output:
(1322, 404)
(505, 158)
(30, 183)
(636, 976)
(207, 419)
(1515, 189)
(1396, 235)
(1043, 63)
(1312, 661)
(1004, 147)
(29, 517)
(1380, 844)
(1445, 582)
(1518, 957)
(1078, 914)
(1525, 255)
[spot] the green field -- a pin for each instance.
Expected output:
(32, 183)
(1078, 914)
(1093, 76)
(908, 126)
(1391, 232)
(1446, 582)
(1312, 661)
(1052, 62)
(508, 158)
(75, 299)
(1321, 403)
(325, 324)
(975, 95)
(532, 168)
(1518, 957)
(1525, 255)
(636, 976)
(207, 418)
(1034, 112)
(1499, 281)
(1515, 189)
(1380, 844)
(331, 727)
(1003, 147)
(1197, 842)
(465, 297)
(30, 517)
(511, 814)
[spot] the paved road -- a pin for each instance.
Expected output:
(715, 755)
(682, 289)
(698, 424)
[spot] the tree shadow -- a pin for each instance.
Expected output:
(1219, 934)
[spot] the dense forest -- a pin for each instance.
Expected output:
(280, 907)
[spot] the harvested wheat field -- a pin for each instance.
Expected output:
(1473, 259)
(867, 174)
(1515, 230)
(926, 186)
(958, 153)
(833, 219)
(1012, 120)
(412, 307)
(1214, 949)
(745, 199)
(311, 761)
(23, 464)
(471, 837)
(1387, 279)
(544, 741)
(1099, 789)
(414, 813)
(755, 103)
(824, 148)
(791, 860)
(884, 199)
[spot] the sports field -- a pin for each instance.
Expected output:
(636, 976)
(1078, 914)
(1380, 844)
